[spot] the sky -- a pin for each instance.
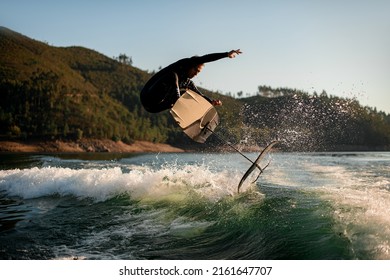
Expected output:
(342, 47)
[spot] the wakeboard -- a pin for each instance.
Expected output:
(195, 115)
(198, 118)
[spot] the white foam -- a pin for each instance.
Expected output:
(103, 184)
(361, 203)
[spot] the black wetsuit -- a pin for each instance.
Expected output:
(163, 89)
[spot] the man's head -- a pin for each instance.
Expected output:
(193, 71)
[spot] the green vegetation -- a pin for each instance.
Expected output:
(70, 93)
(49, 92)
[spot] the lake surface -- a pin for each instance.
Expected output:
(186, 206)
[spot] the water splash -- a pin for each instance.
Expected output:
(305, 122)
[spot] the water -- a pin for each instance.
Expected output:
(186, 206)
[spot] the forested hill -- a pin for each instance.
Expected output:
(72, 92)
(69, 92)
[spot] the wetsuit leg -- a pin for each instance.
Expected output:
(160, 93)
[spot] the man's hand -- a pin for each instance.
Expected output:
(216, 103)
(233, 53)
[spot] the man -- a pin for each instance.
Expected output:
(165, 87)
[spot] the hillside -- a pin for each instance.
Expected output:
(53, 92)
(73, 93)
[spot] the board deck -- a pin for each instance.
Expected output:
(195, 115)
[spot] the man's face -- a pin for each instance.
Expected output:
(195, 70)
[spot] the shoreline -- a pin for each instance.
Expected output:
(109, 146)
(85, 146)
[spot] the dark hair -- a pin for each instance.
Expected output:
(195, 61)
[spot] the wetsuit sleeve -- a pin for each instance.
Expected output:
(208, 58)
(181, 66)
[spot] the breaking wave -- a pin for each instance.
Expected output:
(106, 183)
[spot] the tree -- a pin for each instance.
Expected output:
(123, 58)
